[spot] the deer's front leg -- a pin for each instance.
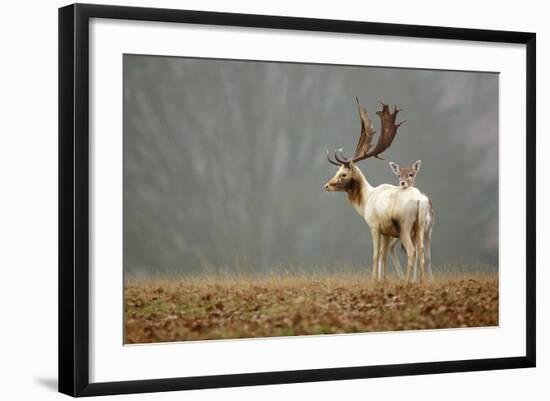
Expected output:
(375, 252)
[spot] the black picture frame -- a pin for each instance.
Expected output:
(74, 198)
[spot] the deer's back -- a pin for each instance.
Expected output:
(390, 208)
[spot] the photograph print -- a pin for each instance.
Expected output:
(269, 199)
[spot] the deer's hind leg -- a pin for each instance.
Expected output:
(375, 252)
(410, 250)
(428, 252)
(394, 257)
(420, 248)
(384, 239)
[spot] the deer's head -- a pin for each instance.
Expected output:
(406, 175)
(348, 173)
(345, 178)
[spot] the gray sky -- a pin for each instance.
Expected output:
(224, 162)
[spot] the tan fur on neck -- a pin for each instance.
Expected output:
(355, 192)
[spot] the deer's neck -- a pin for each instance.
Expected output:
(359, 191)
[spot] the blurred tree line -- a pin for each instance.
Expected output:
(224, 162)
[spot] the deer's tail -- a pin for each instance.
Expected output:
(423, 218)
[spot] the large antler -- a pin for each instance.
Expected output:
(363, 149)
(367, 132)
(389, 129)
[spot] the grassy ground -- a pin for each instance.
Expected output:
(158, 310)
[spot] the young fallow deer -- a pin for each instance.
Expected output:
(389, 211)
(407, 179)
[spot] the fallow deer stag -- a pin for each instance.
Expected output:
(407, 179)
(388, 211)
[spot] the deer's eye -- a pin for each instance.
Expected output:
(343, 175)
(410, 175)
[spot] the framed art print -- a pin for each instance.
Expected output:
(250, 199)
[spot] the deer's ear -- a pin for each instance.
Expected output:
(395, 168)
(416, 166)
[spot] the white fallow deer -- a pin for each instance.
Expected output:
(407, 179)
(388, 211)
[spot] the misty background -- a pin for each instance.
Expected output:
(224, 163)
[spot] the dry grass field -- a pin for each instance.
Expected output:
(162, 310)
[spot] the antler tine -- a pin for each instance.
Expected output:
(344, 160)
(332, 161)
